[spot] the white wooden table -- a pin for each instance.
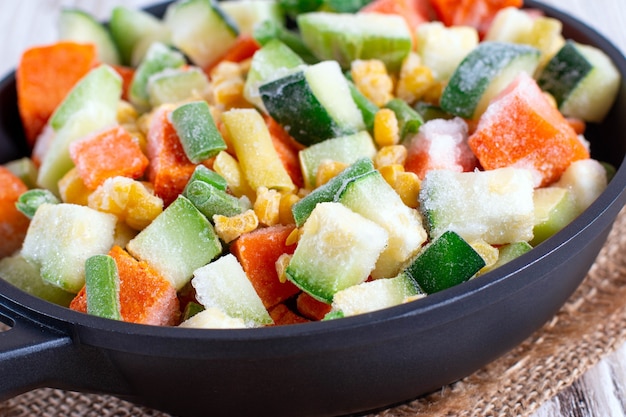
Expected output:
(600, 392)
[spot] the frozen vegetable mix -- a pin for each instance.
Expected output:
(249, 164)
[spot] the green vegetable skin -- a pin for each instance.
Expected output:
(102, 284)
(359, 247)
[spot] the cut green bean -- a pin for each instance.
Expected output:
(29, 201)
(196, 129)
(102, 287)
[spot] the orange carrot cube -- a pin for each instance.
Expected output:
(258, 251)
(282, 315)
(311, 308)
(13, 224)
(44, 76)
(107, 154)
(520, 128)
(169, 169)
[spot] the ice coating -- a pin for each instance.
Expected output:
(62, 237)
(338, 248)
(521, 128)
(440, 144)
(495, 206)
(223, 284)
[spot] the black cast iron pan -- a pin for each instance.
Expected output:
(315, 369)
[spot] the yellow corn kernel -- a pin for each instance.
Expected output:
(386, 130)
(286, 202)
(489, 253)
(133, 202)
(267, 206)
(228, 83)
(408, 186)
(415, 79)
(126, 113)
(328, 169)
(228, 167)
(371, 79)
(390, 172)
(293, 237)
(72, 189)
(390, 155)
(281, 267)
(230, 228)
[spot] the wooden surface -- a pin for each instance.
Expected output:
(600, 392)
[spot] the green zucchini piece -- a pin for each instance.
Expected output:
(133, 30)
(346, 37)
(373, 198)
(197, 131)
(200, 29)
(483, 74)
(17, 271)
(179, 241)
(29, 202)
(583, 80)
(158, 58)
(177, 85)
(79, 26)
(496, 205)
(272, 61)
(61, 237)
(101, 86)
(248, 13)
(223, 284)
(445, 262)
(506, 253)
(338, 248)
(314, 104)
(331, 191)
(102, 286)
(269, 30)
(375, 295)
(555, 208)
(347, 149)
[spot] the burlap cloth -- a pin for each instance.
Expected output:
(590, 325)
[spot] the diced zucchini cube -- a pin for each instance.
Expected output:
(456, 41)
(61, 237)
(375, 295)
(179, 241)
(445, 262)
(373, 198)
(25, 276)
(176, 85)
(223, 284)
(346, 37)
(347, 149)
(338, 248)
(496, 205)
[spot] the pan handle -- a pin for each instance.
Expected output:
(33, 355)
